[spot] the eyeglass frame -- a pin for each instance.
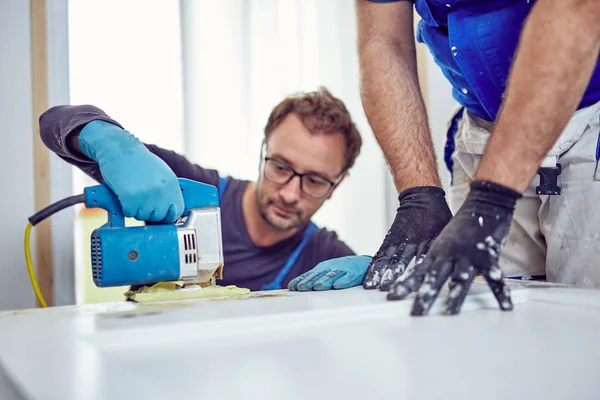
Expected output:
(294, 174)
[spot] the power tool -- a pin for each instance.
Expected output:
(190, 250)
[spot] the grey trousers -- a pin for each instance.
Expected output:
(558, 236)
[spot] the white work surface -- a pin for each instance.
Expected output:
(348, 344)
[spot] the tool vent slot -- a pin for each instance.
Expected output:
(96, 260)
(189, 245)
(189, 241)
(191, 258)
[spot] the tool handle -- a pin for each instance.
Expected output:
(195, 195)
(198, 195)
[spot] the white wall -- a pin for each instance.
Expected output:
(61, 173)
(125, 57)
(16, 160)
(241, 58)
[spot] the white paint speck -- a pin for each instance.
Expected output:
(481, 246)
(400, 290)
(456, 290)
(448, 5)
(454, 53)
(375, 279)
(495, 274)
(480, 221)
(453, 48)
(426, 289)
(387, 275)
(465, 91)
(464, 276)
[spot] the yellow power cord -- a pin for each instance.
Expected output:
(36, 288)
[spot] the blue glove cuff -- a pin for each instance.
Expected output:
(101, 137)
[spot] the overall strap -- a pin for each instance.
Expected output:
(223, 181)
(449, 148)
(276, 284)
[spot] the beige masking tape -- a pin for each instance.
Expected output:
(163, 291)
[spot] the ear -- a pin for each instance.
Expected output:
(337, 184)
(263, 150)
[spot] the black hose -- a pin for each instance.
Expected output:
(56, 207)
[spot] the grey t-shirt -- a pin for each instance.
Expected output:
(246, 265)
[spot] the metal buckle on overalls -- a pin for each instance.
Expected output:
(549, 180)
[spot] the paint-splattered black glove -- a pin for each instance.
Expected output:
(468, 246)
(421, 216)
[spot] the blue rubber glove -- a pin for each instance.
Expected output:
(145, 185)
(337, 273)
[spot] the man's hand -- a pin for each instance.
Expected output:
(548, 79)
(395, 109)
(468, 246)
(336, 273)
(144, 184)
(422, 214)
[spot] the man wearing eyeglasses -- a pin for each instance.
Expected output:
(310, 144)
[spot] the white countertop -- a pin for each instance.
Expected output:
(348, 344)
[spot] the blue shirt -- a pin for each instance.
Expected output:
(474, 42)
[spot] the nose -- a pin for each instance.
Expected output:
(291, 192)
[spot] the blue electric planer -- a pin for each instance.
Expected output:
(191, 250)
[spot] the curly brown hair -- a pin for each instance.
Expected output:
(320, 113)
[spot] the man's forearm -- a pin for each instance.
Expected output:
(555, 59)
(393, 103)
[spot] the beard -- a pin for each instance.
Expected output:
(293, 218)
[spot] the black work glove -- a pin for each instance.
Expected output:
(421, 216)
(468, 246)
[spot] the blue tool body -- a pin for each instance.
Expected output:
(142, 255)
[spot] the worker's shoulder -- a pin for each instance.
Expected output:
(62, 109)
(67, 114)
(323, 233)
(231, 185)
(329, 241)
(231, 191)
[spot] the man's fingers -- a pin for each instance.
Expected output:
(326, 281)
(423, 249)
(459, 286)
(436, 276)
(397, 266)
(410, 280)
(171, 214)
(500, 290)
(293, 285)
(377, 267)
(347, 281)
(306, 284)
